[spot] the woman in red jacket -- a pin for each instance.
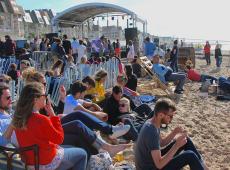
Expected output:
(33, 128)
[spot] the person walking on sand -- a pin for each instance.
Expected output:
(207, 51)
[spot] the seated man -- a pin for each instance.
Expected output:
(74, 102)
(194, 75)
(166, 74)
(149, 153)
(6, 130)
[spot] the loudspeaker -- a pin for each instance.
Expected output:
(130, 33)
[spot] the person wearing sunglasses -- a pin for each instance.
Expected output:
(45, 131)
(154, 152)
(6, 129)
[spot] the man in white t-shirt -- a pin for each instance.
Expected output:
(81, 50)
(73, 102)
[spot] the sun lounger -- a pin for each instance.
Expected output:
(146, 65)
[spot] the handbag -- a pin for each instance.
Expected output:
(101, 161)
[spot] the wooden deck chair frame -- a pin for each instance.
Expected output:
(10, 152)
(146, 65)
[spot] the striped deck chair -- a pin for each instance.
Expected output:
(146, 65)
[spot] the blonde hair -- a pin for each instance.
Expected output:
(27, 72)
(126, 101)
(100, 74)
(5, 78)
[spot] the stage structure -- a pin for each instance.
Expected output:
(80, 15)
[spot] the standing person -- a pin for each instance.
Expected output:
(149, 48)
(9, 46)
(42, 46)
(218, 55)
(66, 45)
(81, 50)
(174, 57)
(118, 49)
(131, 52)
(46, 132)
(207, 51)
(149, 153)
(74, 46)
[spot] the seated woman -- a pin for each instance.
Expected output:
(131, 118)
(133, 95)
(57, 68)
(194, 75)
(33, 128)
(132, 78)
(90, 92)
(100, 78)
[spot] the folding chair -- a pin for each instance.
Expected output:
(10, 152)
(146, 65)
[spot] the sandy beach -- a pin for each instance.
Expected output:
(206, 119)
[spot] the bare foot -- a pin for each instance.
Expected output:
(114, 149)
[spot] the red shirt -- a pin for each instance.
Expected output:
(193, 75)
(207, 49)
(46, 132)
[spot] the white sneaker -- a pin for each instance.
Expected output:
(119, 130)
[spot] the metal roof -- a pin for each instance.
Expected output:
(80, 13)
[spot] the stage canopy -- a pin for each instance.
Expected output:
(80, 13)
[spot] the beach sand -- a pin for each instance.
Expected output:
(206, 119)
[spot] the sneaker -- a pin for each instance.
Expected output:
(119, 130)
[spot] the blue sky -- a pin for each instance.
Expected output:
(205, 19)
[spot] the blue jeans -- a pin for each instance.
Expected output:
(89, 120)
(174, 65)
(177, 77)
(207, 57)
(78, 134)
(74, 158)
(190, 156)
(204, 77)
(218, 61)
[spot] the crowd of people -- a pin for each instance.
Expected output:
(65, 134)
